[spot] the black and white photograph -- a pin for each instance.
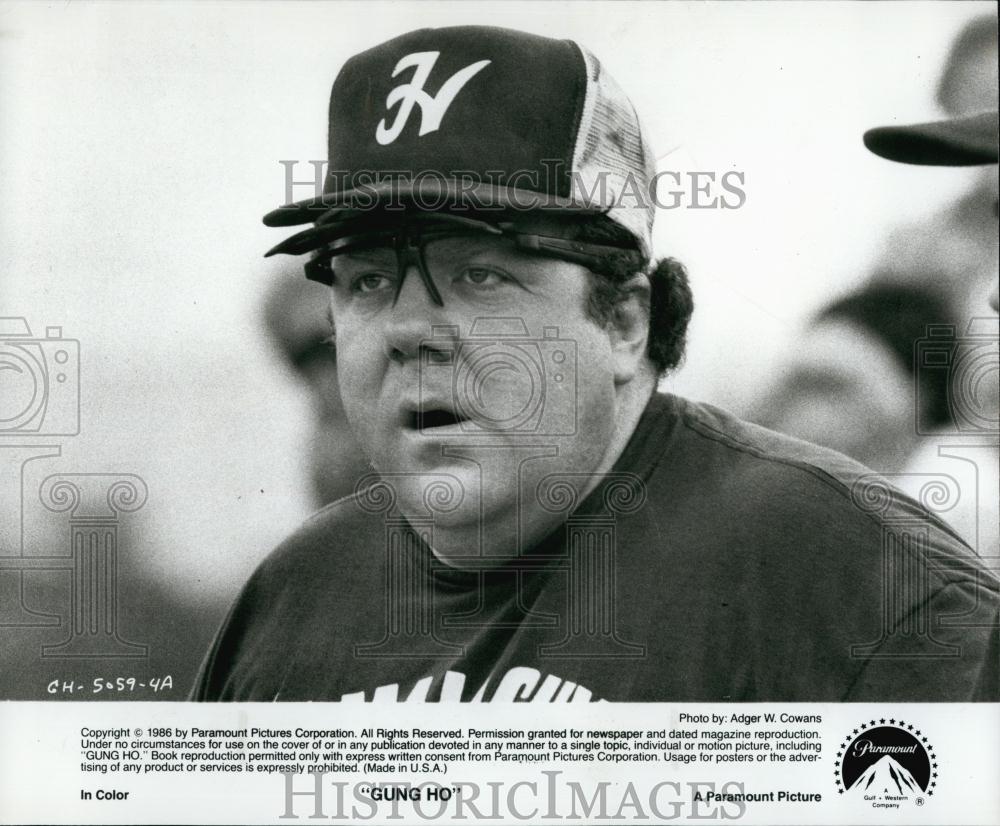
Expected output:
(410, 366)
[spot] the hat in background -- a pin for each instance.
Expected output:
(966, 141)
(479, 118)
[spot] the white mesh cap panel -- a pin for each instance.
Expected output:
(613, 163)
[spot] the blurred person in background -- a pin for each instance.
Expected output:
(296, 314)
(957, 247)
(854, 382)
(969, 83)
(850, 382)
(973, 353)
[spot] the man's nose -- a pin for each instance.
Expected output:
(409, 325)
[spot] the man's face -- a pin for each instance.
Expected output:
(510, 376)
(844, 389)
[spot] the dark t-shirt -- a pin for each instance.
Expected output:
(718, 561)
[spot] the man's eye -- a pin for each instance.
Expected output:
(370, 282)
(482, 277)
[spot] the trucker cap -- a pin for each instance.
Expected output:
(965, 141)
(478, 118)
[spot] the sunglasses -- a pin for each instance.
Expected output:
(409, 237)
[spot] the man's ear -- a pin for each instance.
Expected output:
(628, 330)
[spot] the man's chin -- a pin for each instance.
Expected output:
(452, 497)
(470, 490)
(442, 490)
(453, 508)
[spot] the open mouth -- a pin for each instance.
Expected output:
(431, 418)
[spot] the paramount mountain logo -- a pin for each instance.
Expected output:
(887, 775)
(888, 764)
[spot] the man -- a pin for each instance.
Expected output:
(295, 315)
(971, 140)
(850, 381)
(544, 525)
(955, 249)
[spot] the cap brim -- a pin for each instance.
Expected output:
(967, 141)
(431, 194)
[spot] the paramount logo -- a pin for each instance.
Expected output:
(886, 776)
(862, 747)
(888, 766)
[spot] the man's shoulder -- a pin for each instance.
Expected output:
(341, 534)
(750, 448)
(796, 487)
(332, 554)
(827, 559)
